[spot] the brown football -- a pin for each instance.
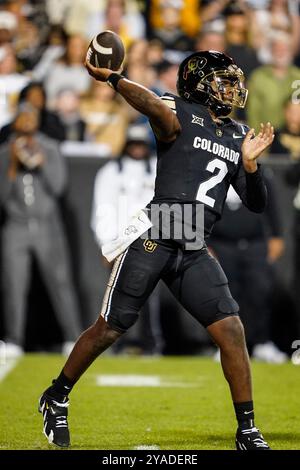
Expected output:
(106, 50)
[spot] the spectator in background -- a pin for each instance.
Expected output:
(142, 64)
(115, 17)
(190, 15)
(58, 11)
(155, 52)
(105, 116)
(137, 53)
(238, 47)
(281, 15)
(11, 83)
(248, 245)
(210, 40)
(237, 36)
(258, 4)
(142, 71)
(73, 14)
(28, 45)
(8, 27)
(32, 178)
(170, 33)
(232, 40)
(166, 77)
(214, 11)
(69, 70)
(160, 77)
(49, 122)
(287, 139)
(88, 18)
(138, 66)
(54, 49)
(123, 186)
(34, 10)
(271, 85)
(67, 106)
(26, 11)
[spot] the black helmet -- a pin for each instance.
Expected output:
(212, 79)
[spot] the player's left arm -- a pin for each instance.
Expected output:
(248, 182)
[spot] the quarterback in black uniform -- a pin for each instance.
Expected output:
(200, 153)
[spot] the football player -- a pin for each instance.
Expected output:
(200, 153)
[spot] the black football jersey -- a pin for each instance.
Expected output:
(198, 167)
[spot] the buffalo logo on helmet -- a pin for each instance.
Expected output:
(194, 66)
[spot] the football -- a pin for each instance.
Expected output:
(106, 50)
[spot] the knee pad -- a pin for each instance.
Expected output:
(122, 321)
(129, 297)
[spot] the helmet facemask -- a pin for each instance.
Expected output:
(225, 89)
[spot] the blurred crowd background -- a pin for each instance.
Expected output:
(70, 147)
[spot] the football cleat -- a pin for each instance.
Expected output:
(250, 439)
(55, 415)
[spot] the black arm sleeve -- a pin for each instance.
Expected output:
(251, 189)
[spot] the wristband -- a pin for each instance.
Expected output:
(114, 79)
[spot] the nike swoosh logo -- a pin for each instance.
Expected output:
(248, 412)
(237, 136)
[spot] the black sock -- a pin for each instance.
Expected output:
(61, 387)
(244, 414)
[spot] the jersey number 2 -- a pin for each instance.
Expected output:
(212, 182)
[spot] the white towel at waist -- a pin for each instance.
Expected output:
(138, 225)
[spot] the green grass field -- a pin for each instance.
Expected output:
(186, 405)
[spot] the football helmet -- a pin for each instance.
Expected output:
(212, 79)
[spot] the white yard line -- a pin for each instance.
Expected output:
(131, 380)
(5, 369)
(128, 380)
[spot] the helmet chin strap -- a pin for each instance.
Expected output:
(216, 106)
(219, 109)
